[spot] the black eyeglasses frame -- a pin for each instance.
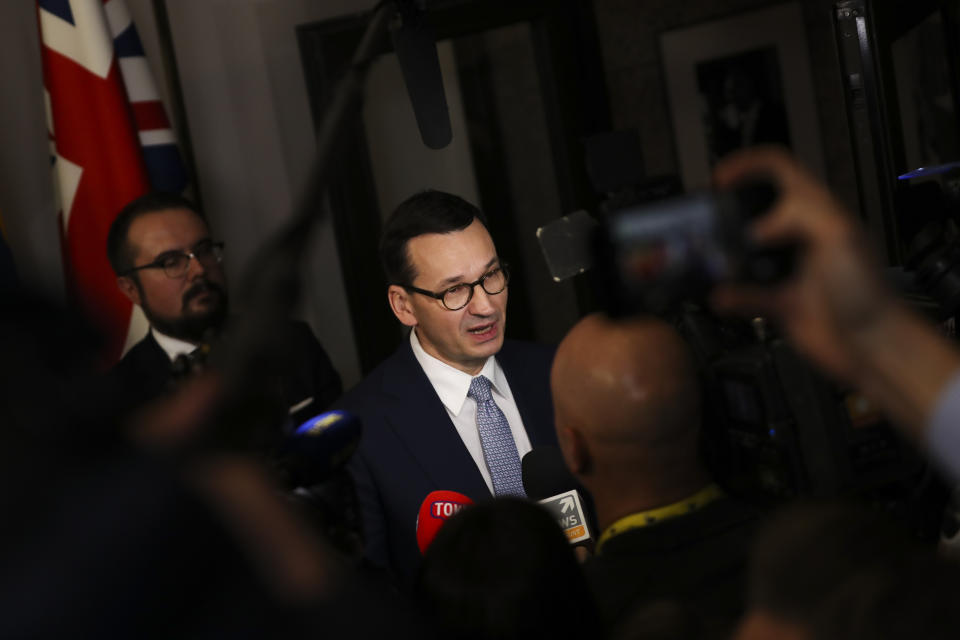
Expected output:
(216, 250)
(502, 268)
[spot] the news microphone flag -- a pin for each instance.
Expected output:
(110, 141)
(435, 510)
(568, 512)
(547, 480)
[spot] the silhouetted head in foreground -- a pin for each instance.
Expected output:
(503, 569)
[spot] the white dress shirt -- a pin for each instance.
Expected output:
(173, 347)
(452, 386)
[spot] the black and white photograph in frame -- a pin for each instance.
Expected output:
(739, 82)
(742, 99)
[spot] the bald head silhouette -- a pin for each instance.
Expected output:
(627, 408)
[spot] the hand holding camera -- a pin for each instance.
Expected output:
(836, 303)
(836, 309)
(654, 255)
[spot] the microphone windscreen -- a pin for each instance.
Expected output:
(321, 445)
(416, 50)
(436, 509)
(545, 474)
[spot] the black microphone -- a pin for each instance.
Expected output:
(320, 447)
(547, 480)
(312, 466)
(416, 49)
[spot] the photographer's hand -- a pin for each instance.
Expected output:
(836, 309)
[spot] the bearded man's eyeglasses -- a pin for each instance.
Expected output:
(175, 263)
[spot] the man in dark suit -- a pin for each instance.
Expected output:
(166, 262)
(456, 406)
(628, 416)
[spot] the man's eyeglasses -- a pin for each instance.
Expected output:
(459, 296)
(176, 263)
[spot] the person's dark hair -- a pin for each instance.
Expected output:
(119, 251)
(913, 597)
(421, 213)
(503, 569)
(841, 570)
(808, 548)
(661, 619)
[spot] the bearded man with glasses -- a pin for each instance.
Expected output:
(166, 262)
(456, 406)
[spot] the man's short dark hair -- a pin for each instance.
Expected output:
(503, 569)
(421, 213)
(119, 251)
(846, 570)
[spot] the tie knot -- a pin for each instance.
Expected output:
(479, 389)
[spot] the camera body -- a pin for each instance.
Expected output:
(651, 256)
(774, 428)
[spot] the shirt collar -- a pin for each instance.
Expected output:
(173, 347)
(450, 383)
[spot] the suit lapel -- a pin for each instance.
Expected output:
(152, 364)
(421, 422)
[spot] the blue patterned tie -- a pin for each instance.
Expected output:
(499, 449)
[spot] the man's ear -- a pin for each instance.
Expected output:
(129, 288)
(574, 449)
(399, 299)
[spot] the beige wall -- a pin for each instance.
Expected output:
(26, 188)
(252, 134)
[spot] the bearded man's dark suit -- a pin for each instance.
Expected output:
(146, 372)
(410, 447)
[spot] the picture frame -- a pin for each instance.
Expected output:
(737, 82)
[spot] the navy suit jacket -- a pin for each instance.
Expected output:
(410, 447)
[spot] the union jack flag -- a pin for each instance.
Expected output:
(110, 141)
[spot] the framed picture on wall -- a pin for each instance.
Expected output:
(738, 82)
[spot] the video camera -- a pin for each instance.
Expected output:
(653, 247)
(774, 428)
(651, 256)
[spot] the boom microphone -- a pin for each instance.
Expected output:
(437, 508)
(547, 480)
(416, 50)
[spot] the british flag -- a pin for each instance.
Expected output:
(110, 141)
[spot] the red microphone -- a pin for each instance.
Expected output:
(437, 508)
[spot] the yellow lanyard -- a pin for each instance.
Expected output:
(645, 518)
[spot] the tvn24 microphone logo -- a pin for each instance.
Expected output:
(445, 509)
